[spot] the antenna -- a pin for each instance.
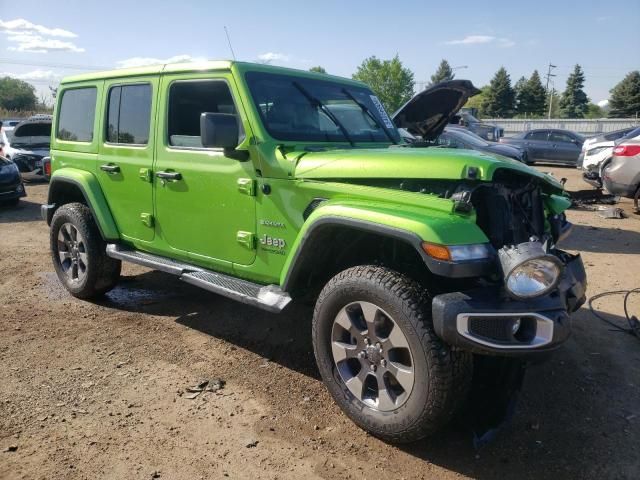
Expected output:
(229, 40)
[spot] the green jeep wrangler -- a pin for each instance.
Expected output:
(428, 266)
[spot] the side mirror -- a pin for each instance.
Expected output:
(219, 130)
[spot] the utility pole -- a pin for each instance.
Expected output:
(549, 75)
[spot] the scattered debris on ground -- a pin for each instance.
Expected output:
(586, 198)
(209, 386)
(611, 212)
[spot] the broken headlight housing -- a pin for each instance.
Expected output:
(528, 270)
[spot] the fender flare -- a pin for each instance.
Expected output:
(93, 196)
(304, 247)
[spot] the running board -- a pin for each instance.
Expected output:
(267, 297)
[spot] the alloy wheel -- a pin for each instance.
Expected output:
(372, 356)
(72, 252)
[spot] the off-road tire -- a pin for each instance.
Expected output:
(442, 375)
(102, 272)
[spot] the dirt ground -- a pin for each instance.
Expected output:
(98, 390)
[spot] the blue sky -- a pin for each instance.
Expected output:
(38, 38)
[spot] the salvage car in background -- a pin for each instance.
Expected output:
(456, 137)
(548, 145)
(598, 154)
(467, 118)
(31, 141)
(621, 175)
(11, 187)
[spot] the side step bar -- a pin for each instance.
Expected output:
(267, 297)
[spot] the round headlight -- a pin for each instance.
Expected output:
(533, 277)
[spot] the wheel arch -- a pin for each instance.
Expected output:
(70, 185)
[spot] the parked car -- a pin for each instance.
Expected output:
(466, 118)
(6, 139)
(621, 175)
(11, 187)
(598, 148)
(31, 140)
(455, 137)
(265, 184)
(548, 145)
(599, 154)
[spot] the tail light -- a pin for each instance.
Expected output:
(47, 167)
(626, 150)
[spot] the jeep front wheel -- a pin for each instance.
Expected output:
(380, 358)
(79, 253)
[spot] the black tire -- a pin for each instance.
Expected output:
(442, 377)
(101, 272)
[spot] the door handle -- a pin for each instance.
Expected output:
(169, 176)
(109, 168)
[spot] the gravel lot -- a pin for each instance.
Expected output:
(99, 390)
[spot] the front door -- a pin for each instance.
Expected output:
(125, 156)
(204, 200)
(563, 148)
(536, 143)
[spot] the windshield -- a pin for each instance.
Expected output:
(32, 134)
(289, 112)
(468, 137)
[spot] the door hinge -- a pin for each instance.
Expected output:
(248, 239)
(145, 174)
(247, 186)
(147, 219)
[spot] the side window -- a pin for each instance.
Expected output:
(538, 135)
(560, 137)
(187, 101)
(76, 115)
(129, 114)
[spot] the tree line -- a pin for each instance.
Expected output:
(394, 84)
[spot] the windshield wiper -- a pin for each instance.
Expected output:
(321, 106)
(366, 110)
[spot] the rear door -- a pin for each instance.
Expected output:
(126, 154)
(563, 148)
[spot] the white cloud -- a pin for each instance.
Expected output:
(145, 61)
(20, 25)
(38, 44)
(44, 75)
(603, 103)
(29, 37)
(482, 39)
(269, 57)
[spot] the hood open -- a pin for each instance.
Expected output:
(428, 112)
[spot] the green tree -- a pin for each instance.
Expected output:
(477, 101)
(499, 100)
(573, 102)
(318, 69)
(594, 111)
(16, 94)
(443, 73)
(536, 95)
(625, 96)
(520, 92)
(389, 80)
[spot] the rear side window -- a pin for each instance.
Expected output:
(560, 137)
(129, 114)
(76, 115)
(539, 135)
(187, 101)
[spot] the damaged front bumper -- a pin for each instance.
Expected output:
(489, 321)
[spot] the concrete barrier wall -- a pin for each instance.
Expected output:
(585, 127)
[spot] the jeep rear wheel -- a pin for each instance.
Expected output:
(79, 253)
(380, 358)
